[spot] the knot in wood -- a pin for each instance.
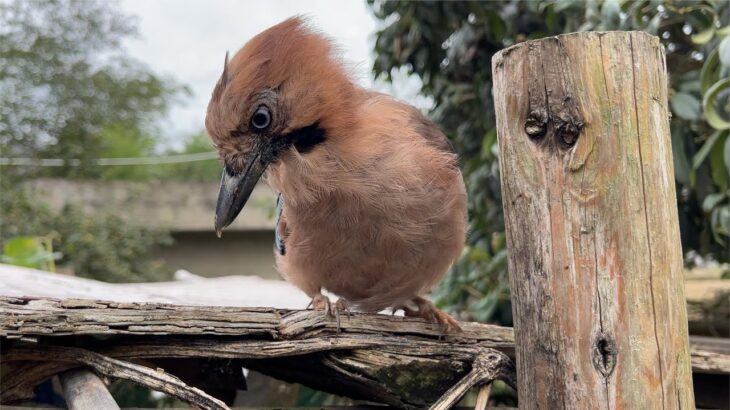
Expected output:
(536, 125)
(568, 132)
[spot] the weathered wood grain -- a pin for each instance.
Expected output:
(484, 370)
(398, 361)
(283, 331)
(590, 213)
(394, 359)
(155, 379)
(31, 317)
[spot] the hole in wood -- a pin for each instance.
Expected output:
(604, 355)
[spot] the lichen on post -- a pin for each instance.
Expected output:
(591, 220)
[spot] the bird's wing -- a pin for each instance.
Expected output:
(280, 232)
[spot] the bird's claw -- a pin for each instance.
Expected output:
(331, 310)
(320, 302)
(341, 306)
(426, 310)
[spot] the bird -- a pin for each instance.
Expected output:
(371, 202)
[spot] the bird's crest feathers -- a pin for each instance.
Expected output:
(224, 76)
(293, 60)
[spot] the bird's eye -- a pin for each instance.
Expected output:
(261, 119)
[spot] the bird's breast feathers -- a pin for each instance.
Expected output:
(384, 207)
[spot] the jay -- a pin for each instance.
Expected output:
(372, 204)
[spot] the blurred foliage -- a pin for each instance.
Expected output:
(119, 144)
(103, 247)
(118, 141)
(69, 91)
(67, 88)
(449, 45)
(128, 394)
(30, 252)
(208, 170)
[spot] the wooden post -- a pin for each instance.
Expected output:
(591, 219)
(84, 390)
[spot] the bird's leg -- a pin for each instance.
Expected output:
(426, 310)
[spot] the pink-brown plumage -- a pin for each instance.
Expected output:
(376, 211)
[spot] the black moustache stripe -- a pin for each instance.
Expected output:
(302, 139)
(306, 138)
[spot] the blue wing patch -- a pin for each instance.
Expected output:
(278, 240)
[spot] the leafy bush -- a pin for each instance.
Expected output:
(30, 252)
(69, 90)
(208, 170)
(193, 171)
(449, 45)
(104, 248)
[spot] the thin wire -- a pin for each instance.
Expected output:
(58, 162)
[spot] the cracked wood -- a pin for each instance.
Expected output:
(398, 361)
(591, 220)
(259, 332)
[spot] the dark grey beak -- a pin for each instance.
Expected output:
(236, 188)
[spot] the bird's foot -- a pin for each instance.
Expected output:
(426, 310)
(332, 310)
(320, 302)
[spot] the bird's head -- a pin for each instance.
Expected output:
(284, 90)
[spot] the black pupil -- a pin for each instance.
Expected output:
(261, 119)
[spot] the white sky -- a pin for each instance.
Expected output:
(187, 40)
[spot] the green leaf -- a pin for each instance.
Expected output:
(712, 200)
(717, 163)
(708, 105)
(710, 71)
(682, 167)
(653, 26)
(724, 50)
(720, 220)
(488, 142)
(685, 106)
(610, 14)
(703, 36)
(723, 31)
(700, 156)
(726, 155)
(496, 25)
(25, 251)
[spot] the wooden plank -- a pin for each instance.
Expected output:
(42, 316)
(155, 379)
(372, 349)
(710, 344)
(84, 390)
(224, 291)
(35, 317)
(591, 220)
(246, 291)
(375, 357)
